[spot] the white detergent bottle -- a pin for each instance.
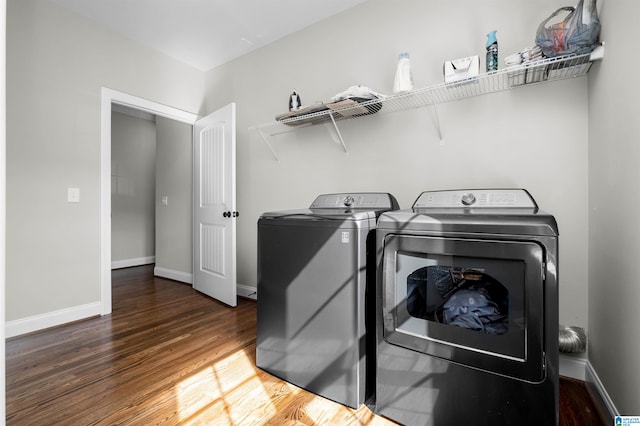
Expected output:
(403, 81)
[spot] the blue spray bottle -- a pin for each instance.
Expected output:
(492, 52)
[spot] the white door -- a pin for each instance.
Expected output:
(214, 187)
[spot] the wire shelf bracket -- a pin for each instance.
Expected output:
(266, 140)
(437, 120)
(335, 126)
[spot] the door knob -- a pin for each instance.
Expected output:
(236, 214)
(226, 214)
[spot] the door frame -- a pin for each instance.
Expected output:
(109, 97)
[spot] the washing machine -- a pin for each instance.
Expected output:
(316, 295)
(467, 320)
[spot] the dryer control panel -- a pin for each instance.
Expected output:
(367, 200)
(476, 198)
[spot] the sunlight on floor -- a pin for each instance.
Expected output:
(318, 409)
(229, 391)
(197, 392)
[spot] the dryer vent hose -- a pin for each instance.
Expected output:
(572, 339)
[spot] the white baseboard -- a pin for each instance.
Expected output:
(581, 369)
(593, 379)
(172, 274)
(241, 289)
(51, 319)
(572, 367)
(247, 291)
(127, 263)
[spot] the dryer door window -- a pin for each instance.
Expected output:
(464, 297)
(476, 302)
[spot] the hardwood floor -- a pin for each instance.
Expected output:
(169, 355)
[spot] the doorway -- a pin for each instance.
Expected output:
(111, 97)
(151, 193)
(134, 184)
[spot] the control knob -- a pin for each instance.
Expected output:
(468, 198)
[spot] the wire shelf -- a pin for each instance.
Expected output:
(548, 69)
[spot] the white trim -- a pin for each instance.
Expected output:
(572, 367)
(146, 105)
(105, 202)
(172, 274)
(109, 97)
(51, 319)
(127, 263)
(136, 113)
(581, 369)
(593, 379)
(247, 291)
(3, 198)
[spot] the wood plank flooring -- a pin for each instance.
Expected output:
(169, 355)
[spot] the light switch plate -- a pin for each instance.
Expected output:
(73, 195)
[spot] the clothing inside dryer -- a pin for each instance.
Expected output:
(461, 297)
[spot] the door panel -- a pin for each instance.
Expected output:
(214, 202)
(507, 274)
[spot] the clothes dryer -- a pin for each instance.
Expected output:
(316, 294)
(467, 324)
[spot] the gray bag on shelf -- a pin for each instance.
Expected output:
(576, 34)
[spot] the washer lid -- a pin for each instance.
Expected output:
(322, 214)
(342, 206)
(356, 201)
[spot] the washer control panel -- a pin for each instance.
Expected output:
(476, 198)
(367, 200)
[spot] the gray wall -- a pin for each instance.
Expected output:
(533, 137)
(174, 180)
(614, 227)
(133, 189)
(57, 63)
